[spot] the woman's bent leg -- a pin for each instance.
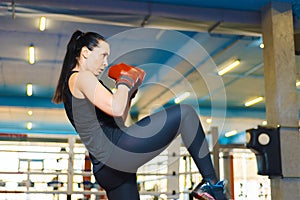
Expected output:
(193, 137)
(151, 135)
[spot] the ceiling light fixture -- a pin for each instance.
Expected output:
(209, 120)
(228, 68)
(254, 101)
(182, 97)
(29, 125)
(29, 89)
(298, 84)
(31, 55)
(231, 133)
(42, 25)
(29, 112)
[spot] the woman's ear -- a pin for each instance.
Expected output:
(85, 52)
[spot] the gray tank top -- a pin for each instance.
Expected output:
(94, 127)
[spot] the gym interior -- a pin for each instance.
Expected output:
(236, 62)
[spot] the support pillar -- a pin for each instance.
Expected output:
(228, 173)
(71, 141)
(173, 169)
(216, 149)
(280, 93)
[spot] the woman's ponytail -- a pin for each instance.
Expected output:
(70, 60)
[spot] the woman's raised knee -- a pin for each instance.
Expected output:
(187, 110)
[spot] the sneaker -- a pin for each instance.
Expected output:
(208, 191)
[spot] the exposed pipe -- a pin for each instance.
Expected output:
(13, 8)
(213, 27)
(145, 21)
(147, 17)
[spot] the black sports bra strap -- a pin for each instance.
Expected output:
(73, 71)
(68, 76)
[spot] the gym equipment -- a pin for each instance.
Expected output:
(265, 143)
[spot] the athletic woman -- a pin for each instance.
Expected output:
(98, 116)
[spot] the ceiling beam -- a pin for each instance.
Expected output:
(149, 9)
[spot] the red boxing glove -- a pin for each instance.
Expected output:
(142, 75)
(140, 81)
(127, 75)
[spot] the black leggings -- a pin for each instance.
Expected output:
(147, 138)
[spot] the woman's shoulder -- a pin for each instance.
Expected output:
(86, 75)
(86, 79)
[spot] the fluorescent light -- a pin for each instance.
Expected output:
(42, 25)
(31, 56)
(29, 89)
(182, 97)
(229, 67)
(208, 120)
(254, 101)
(29, 125)
(298, 84)
(231, 133)
(29, 112)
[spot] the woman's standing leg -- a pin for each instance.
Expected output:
(127, 190)
(118, 185)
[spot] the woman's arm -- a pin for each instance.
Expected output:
(115, 104)
(125, 115)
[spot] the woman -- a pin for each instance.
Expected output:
(98, 116)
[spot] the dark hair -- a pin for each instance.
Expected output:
(77, 41)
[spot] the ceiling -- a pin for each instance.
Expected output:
(180, 44)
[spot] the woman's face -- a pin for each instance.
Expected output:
(96, 61)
